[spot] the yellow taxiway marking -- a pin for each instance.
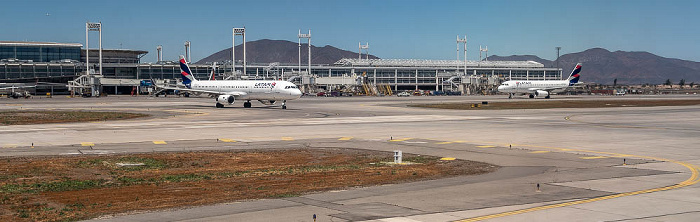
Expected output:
(9, 146)
(445, 142)
(161, 142)
(447, 158)
(594, 157)
(14, 104)
(399, 140)
(227, 140)
(541, 151)
(694, 178)
(87, 144)
(287, 138)
(345, 138)
(486, 146)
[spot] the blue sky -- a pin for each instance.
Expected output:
(394, 29)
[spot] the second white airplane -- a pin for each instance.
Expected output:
(228, 91)
(540, 88)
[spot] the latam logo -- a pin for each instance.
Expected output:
(523, 83)
(265, 84)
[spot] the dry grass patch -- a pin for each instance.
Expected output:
(60, 188)
(41, 117)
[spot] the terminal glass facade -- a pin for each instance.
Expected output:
(39, 53)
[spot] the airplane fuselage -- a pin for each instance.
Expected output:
(540, 88)
(251, 89)
(526, 86)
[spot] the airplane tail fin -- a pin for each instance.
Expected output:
(187, 77)
(575, 76)
(212, 75)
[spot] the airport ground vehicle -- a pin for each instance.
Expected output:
(402, 94)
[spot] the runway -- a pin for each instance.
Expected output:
(597, 156)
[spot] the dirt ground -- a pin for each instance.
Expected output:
(43, 117)
(548, 104)
(68, 188)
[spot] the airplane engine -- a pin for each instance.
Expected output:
(17, 95)
(225, 99)
(267, 102)
(541, 93)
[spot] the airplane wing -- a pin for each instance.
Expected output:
(200, 91)
(548, 89)
(16, 87)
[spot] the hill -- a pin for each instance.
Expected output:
(282, 51)
(603, 66)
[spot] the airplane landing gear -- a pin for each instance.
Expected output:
(510, 95)
(284, 106)
(546, 97)
(247, 104)
(219, 105)
(532, 96)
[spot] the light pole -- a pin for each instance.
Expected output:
(366, 48)
(558, 49)
(305, 36)
(159, 56)
(486, 50)
(241, 32)
(92, 27)
(464, 40)
(187, 51)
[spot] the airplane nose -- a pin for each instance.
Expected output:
(296, 93)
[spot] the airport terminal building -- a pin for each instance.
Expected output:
(123, 69)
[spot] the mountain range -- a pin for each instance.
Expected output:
(282, 51)
(603, 66)
(599, 65)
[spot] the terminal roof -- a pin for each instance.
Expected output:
(18, 43)
(436, 63)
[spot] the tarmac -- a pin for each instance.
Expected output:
(591, 164)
